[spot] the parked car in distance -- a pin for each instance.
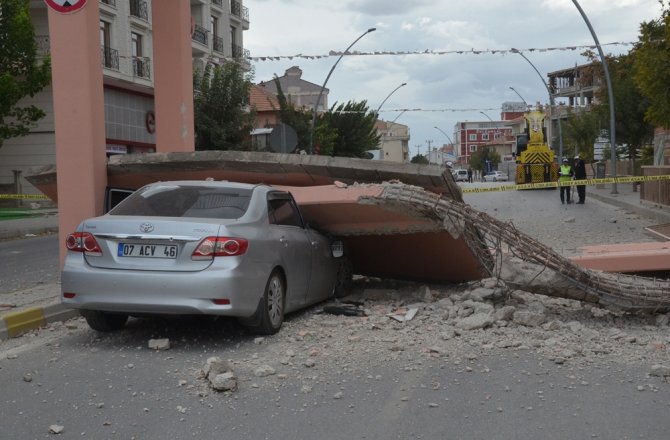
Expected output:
(460, 175)
(495, 176)
(200, 248)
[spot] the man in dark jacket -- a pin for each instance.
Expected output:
(580, 174)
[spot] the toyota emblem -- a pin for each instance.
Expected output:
(146, 227)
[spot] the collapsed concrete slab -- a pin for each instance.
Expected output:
(398, 221)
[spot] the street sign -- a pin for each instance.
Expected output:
(65, 6)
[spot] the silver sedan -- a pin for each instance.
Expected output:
(200, 247)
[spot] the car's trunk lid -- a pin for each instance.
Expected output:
(141, 243)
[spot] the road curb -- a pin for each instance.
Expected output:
(13, 324)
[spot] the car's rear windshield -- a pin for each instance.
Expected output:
(185, 201)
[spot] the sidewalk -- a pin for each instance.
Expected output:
(29, 309)
(629, 200)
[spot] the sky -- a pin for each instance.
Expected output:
(454, 55)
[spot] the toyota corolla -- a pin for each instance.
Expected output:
(200, 247)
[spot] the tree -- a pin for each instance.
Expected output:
(651, 72)
(581, 130)
(21, 75)
(630, 106)
(479, 158)
(300, 121)
(221, 116)
(355, 126)
(420, 159)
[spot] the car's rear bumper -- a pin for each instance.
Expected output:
(156, 292)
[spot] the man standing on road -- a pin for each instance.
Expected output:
(580, 174)
(565, 174)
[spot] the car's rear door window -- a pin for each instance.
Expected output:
(283, 211)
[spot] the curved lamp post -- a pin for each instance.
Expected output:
(519, 95)
(318, 99)
(552, 103)
(387, 97)
(610, 94)
(489, 118)
(441, 131)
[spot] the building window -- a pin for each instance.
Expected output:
(110, 56)
(104, 33)
(137, 44)
(140, 65)
(472, 148)
(217, 41)
(472, 137)
(485, 136)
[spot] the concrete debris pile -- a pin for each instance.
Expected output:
(534, 266)
(457, 325)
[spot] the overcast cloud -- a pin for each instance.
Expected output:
(446, 88)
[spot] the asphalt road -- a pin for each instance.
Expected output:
(27, 262)
(114, 387)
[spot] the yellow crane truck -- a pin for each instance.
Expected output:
(534, 159)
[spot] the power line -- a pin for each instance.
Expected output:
(334, 53)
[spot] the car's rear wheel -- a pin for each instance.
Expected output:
(269, 316)
(103, 321)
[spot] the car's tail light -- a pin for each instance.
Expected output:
(219, 247)
(83, 242)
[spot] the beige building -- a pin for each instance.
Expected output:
(394, 143)
(126, 49)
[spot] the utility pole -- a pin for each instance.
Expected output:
(428, 153)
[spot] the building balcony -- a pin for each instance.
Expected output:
(138, 9)
(141, 68)
(217, 44)
(240, 53)
(110, 57)
(200, 34)
(240, 12)
(109, 2)
(218, 3)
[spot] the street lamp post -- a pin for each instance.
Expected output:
(453, 146)
(318, 99)
(489, 118)
(551, 102)
(610, 94)
(440, 130)
(387, 97)
(519, 95)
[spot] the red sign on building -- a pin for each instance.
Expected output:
(65, 6)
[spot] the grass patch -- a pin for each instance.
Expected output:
(19, 213)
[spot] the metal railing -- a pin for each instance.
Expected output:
(138, 8)
(200, 34)
(110, 57)
(238, 10)
(240, 52)
(141, 68)
(217, 43)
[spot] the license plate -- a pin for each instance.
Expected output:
(147, 250)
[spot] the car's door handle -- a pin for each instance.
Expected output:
(284, 241)
(315, 244)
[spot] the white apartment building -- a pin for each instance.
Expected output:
(126, 48)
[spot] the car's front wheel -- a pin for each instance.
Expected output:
(103, 321)
(269, 315)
